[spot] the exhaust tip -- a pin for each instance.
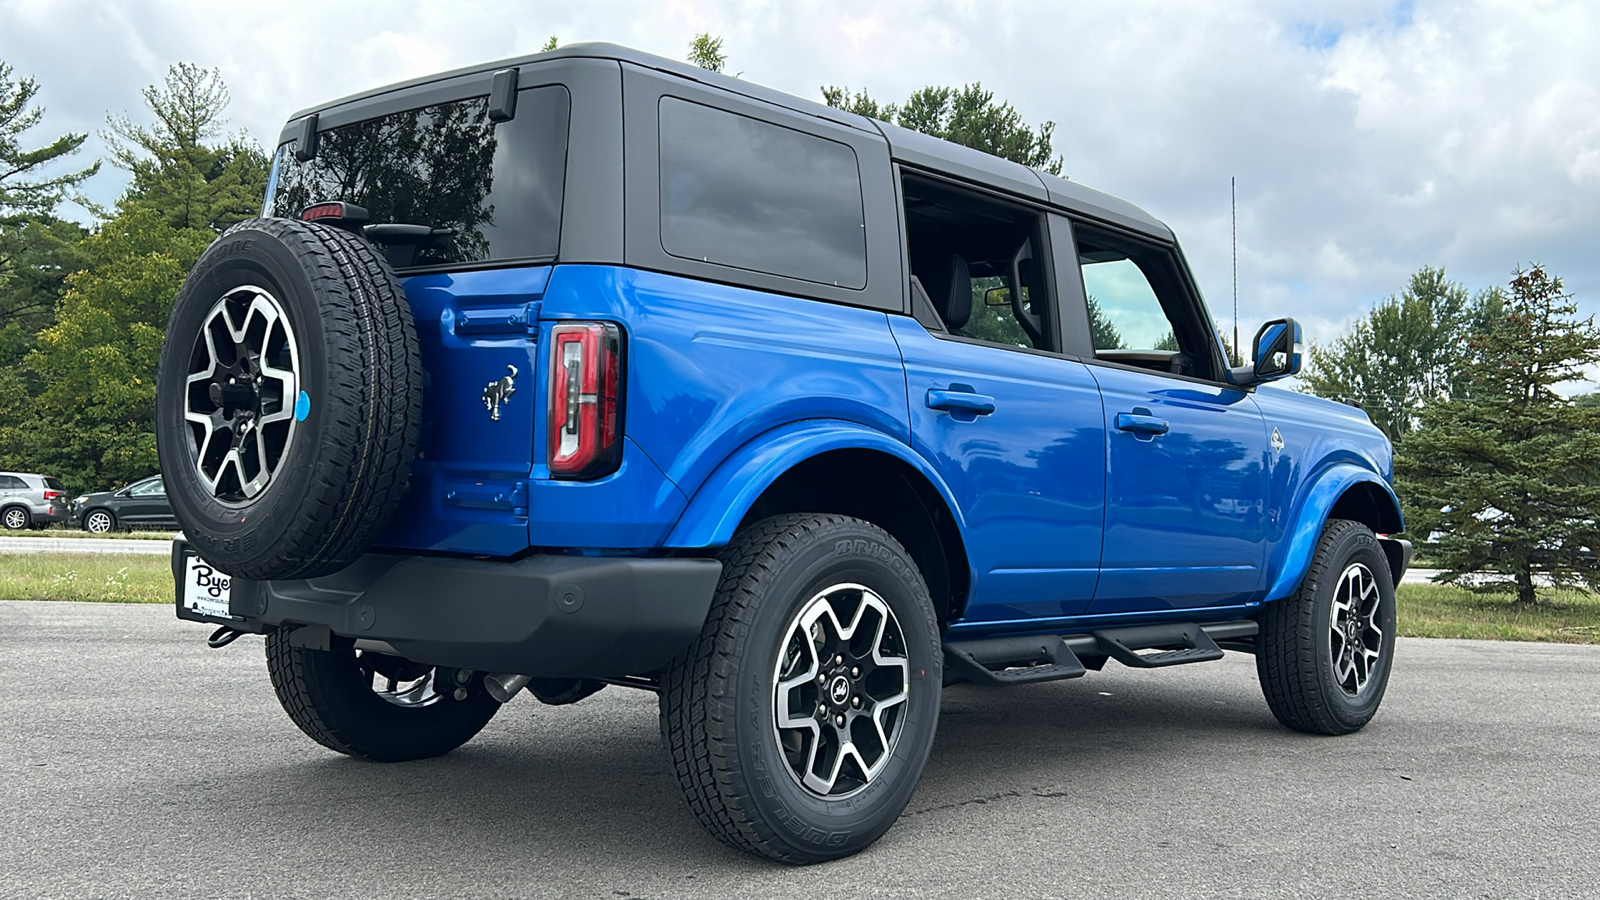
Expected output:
(505, 686)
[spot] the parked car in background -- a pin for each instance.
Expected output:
(31, 501)
(142, 504)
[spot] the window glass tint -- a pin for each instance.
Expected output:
(498, 187)
(146, 489)
(11, 482)
(1124, 313)
(53, 484)
(741, 192)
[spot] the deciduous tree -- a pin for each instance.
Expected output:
(968, 115)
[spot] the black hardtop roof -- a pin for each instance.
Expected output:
(906, 146)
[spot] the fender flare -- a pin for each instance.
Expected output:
(723, 499)
(1312, 514)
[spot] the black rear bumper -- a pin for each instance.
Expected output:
(543, 615)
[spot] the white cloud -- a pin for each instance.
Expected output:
(1369, 140)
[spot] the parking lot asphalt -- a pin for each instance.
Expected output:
(135, 762)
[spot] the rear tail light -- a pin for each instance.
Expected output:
(585, 409)
(54, 495)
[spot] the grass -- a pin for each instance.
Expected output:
(64, 531)
(1442, 611)
(1425, 610)
(100, 577)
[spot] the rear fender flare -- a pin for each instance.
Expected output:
(717, 508)
(1312, 515)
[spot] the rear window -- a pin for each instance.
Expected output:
(53, 484)
(742, 192)
(497, 186)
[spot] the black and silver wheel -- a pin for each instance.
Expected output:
(99, 521)
(288, 400)
(820, 660)
(1324, 654)
(15, 518)
(375, 705)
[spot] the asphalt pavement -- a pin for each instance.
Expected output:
(135, 762)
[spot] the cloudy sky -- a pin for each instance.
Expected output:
(1368, 138)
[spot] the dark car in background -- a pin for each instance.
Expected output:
(142, 504)
(31, 501)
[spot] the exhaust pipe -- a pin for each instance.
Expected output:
(505, 686)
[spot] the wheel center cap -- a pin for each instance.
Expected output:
(839, 690)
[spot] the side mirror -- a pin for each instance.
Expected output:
(1277, 350)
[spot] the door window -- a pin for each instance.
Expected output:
(1141, 311)
(147, 489)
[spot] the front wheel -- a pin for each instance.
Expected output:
(99, 522)
(1324, 653)
(801, 719)
(373, 705)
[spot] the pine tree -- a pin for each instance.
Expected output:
(1505, 479)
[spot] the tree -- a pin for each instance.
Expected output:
(968, 115)
(1507, 476)
(705, 51)
(549, 45)
(34, 244)
(90, 422)
(1411, 350)
(179, 166)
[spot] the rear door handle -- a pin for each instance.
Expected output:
(1141, 423)
(960, 401)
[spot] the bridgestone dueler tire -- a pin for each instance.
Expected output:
(328, 696)
(347, 465)
(1293, 651)
(717, 697)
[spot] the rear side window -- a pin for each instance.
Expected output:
(741, 192)
(498, 187)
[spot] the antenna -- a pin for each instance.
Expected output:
(1233, 192)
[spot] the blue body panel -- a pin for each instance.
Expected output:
(1084, 495)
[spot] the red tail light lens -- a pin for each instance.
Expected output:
(585, 408)
(53, 495)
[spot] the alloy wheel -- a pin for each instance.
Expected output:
(241, 394)
(1356, 635)
(840, 688)
(98, 522)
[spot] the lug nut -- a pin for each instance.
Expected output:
(855, 671)
(856, 701)
(822, 709)
(822, 678)
(839, 721)
(839, 660)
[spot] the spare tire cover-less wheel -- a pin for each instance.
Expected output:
(288, 399)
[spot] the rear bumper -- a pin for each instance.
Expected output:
(543, 615)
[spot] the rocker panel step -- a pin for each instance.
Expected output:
(1190, 642)
(1031, 659)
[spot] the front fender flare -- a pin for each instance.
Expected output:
(1312, 515)
(722, 501)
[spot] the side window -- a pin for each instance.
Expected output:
(976, 266)
(1140, 311)
(11, 483)
(741, 192)
(148, 489)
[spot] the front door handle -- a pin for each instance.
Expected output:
(1141, 423)
(960, 401)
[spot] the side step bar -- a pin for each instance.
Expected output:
(1035, 658)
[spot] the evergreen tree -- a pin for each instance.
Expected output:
(1507, 476)
(181, 167)
(1411, 350)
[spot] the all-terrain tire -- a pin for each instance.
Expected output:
(1298, 654)
(329, 695)
(718, 697)
(356, 401)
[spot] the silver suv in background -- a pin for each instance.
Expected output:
(31, 501)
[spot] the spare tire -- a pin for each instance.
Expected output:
(288, 399)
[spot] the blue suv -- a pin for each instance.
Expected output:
(591, 368)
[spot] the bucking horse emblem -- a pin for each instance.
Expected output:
(499, 392)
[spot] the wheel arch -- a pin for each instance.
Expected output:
(838, 467)
(1341, 491)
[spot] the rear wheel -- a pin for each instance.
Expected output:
(800, 721)
(373, 705)
(99, 521)
(15, 518)
(1324, 654)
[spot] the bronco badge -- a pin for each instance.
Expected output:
(499, 392)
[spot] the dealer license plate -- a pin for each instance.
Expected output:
(205, 590)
